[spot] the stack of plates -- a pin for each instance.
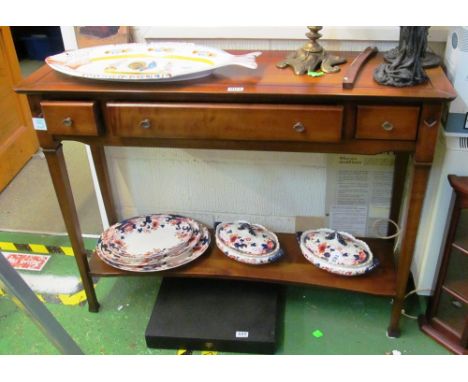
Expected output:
(248, 243)
(337, 252)
(153, 243)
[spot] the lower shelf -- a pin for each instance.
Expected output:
(292, 268)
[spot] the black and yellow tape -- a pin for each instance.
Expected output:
(78, 298)
(184, 352)
(190, 352)
(36, 248)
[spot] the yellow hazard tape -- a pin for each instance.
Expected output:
(38, 248)
(65, 299)
(68, 251)
(72, 299)
(184, 352)
(7, 246)
(209, 352)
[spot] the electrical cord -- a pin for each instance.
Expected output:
(409, 294)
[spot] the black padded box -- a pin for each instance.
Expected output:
(219, 315)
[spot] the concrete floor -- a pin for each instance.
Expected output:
(29, 204)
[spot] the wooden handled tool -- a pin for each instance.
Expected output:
(353, 70)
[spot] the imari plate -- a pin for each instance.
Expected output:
(248, 243)
(151, 62)
(337, 252)
(164, 263)
(118, 253)
(146, 237)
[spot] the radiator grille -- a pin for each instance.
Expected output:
(463, 142)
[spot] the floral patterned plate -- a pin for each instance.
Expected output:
(147, 237)
(165, 263)
(337, 252)
(119, 254)
(151, 62)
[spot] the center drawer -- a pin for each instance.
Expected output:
(314, 123)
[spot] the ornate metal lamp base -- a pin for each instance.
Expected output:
(312, 57)
(302, 61)
(405, 63)
(429, 60)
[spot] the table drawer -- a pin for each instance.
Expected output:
(387, 122)
(70, 117)
(227, 121)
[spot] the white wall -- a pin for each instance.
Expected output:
(269, 188)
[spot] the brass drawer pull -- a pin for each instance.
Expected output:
(145, 123)
(387, 126)
(68, 122)
(299, 127)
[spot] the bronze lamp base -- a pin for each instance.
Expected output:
(312, 57)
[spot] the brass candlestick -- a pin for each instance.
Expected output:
(312, 56)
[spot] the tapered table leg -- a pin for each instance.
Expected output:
(100, 165)
(61, 182)
(416, 199)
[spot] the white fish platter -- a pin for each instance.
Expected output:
(151, 62)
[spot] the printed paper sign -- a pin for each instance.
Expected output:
(25, 261)
(351, 219)
(359, 190)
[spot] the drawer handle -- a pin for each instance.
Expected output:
(299, 127)
(68, 122)
(145, 123)
(387, 126)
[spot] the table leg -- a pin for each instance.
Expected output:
(100, 164)
(416, 199)
(59, 174)
(399, 176)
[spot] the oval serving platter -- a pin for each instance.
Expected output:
(163, 264)
(148, 236)
(151, 62)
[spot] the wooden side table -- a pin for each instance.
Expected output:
(239, 109)
(446, 319)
